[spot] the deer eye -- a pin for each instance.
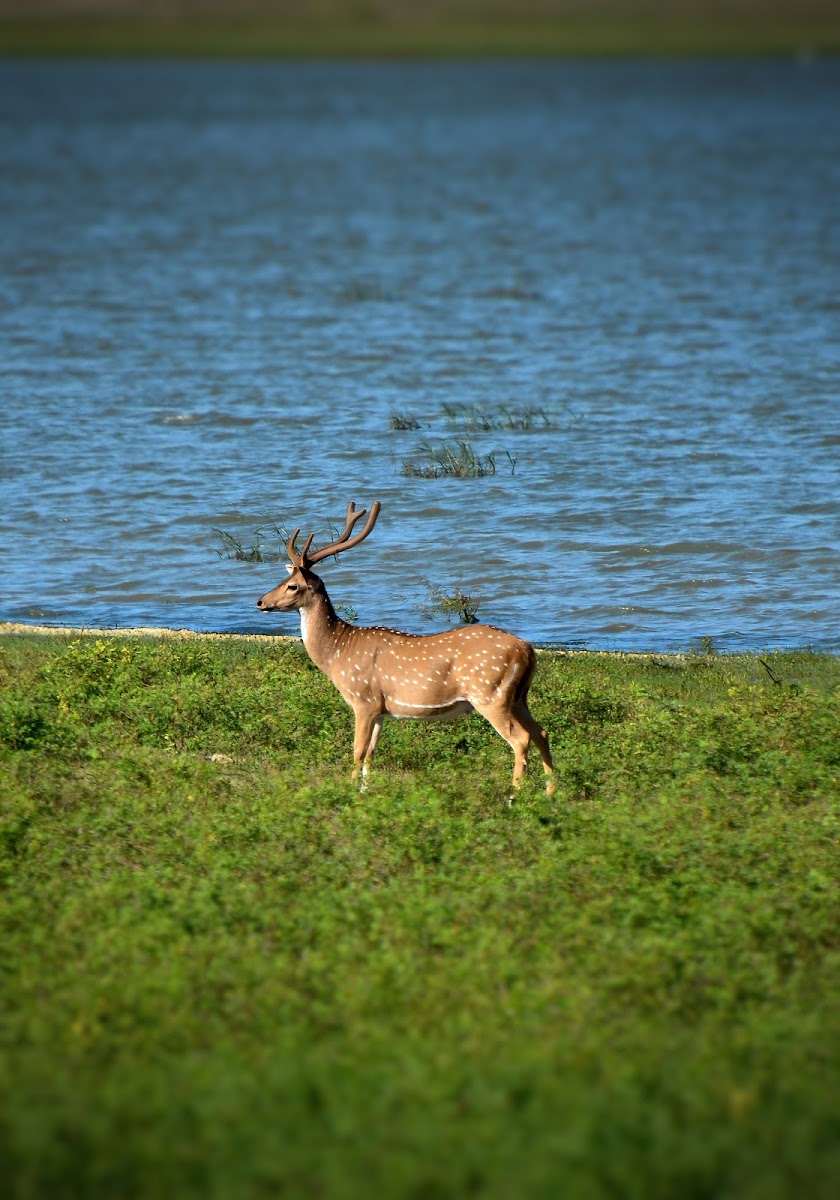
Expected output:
(291, 587)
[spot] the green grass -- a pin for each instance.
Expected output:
(259, 550)
(458, 460)
(402, 421)
(245, 978)
(472, 418)
(453, 603)
(501, 31)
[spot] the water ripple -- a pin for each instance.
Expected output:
(220, 281)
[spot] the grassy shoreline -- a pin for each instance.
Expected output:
(780, 35)
(73, 632)
(18, 628)
(226, 972)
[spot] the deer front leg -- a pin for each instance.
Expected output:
(368, 725)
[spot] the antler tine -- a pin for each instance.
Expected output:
(350, 520)
(345, 541)
(294, 557)
(304, 554)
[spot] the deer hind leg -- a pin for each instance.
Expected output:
(540, 738)
(368, 726)
(507, 722)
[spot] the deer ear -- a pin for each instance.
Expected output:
(290, 568)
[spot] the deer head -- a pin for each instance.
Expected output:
(298, 591)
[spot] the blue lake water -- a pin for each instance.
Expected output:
(218, 282)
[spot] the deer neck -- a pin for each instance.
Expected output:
(322, 630)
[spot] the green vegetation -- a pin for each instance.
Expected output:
(454, 602)
(458, 461)
(258, 550)
(403, 421)
(470, 417)
(239, 977)
(390, 28)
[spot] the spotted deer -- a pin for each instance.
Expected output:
(383, 673)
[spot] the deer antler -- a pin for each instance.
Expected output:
(344, 542)
(295, 556)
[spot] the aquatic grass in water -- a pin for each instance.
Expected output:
(472, 418)
(258, 551)
(458, 461)
(214, 946)
(234, 548)
(402, 421)
(454, 603)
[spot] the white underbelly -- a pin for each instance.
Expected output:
(430, 712)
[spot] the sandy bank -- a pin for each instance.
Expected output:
(139, 631)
